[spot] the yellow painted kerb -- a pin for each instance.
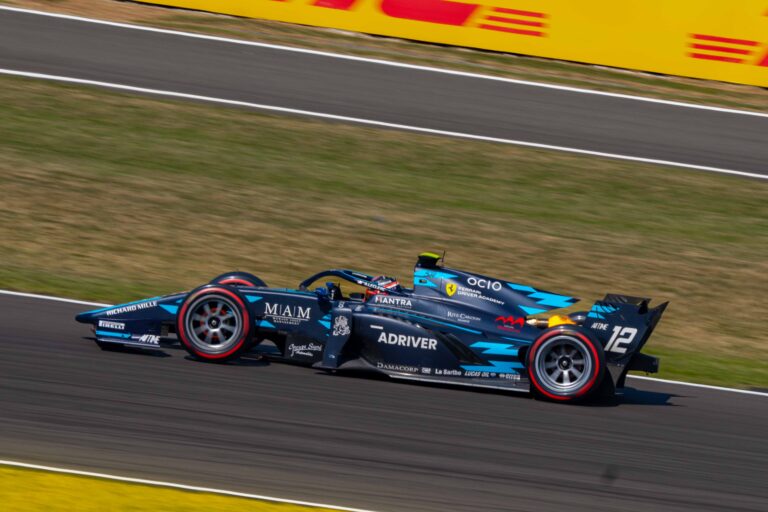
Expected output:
(25, 490)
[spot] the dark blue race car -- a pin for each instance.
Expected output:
(452, 327)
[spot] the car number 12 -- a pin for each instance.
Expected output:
(622, 336)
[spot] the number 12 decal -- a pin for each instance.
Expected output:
(622, 336)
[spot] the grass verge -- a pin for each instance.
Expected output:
(113, 197)
(477, 61)
(25, 490)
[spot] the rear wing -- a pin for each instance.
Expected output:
(623, 324)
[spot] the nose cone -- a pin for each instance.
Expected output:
(85, 318)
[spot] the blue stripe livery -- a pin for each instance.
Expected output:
(497, 367)
(433, 274)
(598, 311)
(552, 299)
(521, 288)
(532, 311)
(113, 334)
(496, 349)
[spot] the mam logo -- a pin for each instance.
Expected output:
(450, 289)
(287, 314)
(510, 323)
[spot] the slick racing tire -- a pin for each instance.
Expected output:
(213, 324)
(238, 279)
(565, 365)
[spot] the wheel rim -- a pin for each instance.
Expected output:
(213, 324)
(563, 364)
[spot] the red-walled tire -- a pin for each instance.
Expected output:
(238, 279)
(213, 324)
(565, 365)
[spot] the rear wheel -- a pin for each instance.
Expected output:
(238, 279)
(565, 365)
(214, 325)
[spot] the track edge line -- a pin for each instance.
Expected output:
(373, 122)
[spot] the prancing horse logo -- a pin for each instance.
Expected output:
(450, 289)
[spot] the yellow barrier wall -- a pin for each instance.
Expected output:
(711, 39)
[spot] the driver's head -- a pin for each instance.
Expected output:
(386, 282)
(390, 283)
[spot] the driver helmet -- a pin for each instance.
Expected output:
(386, 282)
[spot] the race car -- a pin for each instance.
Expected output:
(451, 327)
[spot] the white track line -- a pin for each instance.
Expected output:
(48, 297)
(678, 382)
(371, 122)
(705, 386)
(386, 62)
(172, 485)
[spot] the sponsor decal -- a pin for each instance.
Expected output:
(492, 375)
(403, 340)
(450, 289)
(119, 326)
(600, 326)
(341, 326)
(463, 317)
(397, 367)
(149, 339)
(306, 350)
(484, 283)
(477, 294)
(510, 323)
(448, 373)
(399, 302)
(729, 50)
(426, 371)
(287, 314)
(132, 307)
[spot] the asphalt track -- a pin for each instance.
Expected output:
(292, 432)
(70, 48)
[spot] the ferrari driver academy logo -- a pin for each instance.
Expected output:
(450, 289)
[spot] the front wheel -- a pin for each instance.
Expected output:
(565, 365)
(213, 324)
(238, 279)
